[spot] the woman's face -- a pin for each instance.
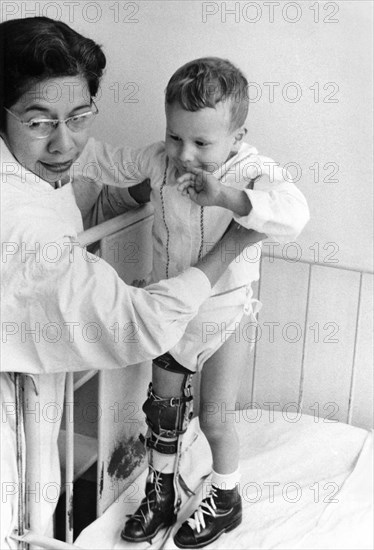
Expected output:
(57, 98)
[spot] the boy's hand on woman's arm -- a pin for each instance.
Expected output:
(206, 190)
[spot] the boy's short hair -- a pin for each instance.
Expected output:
(205, 82)
(37, 48)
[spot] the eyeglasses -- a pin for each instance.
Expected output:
(41, 128)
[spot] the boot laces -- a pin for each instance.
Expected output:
(207, 507)
(148, 500)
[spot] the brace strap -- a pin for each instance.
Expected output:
(168, 447)
(167, 362)
(168, 417)
(170, 401)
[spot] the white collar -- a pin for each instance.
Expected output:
(245, 150)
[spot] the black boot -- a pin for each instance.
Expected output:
(156, 510)
(220, 512)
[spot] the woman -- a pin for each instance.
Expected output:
(50, 75)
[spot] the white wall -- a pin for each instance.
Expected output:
(159, 36)
(153, 38)
(169, 33)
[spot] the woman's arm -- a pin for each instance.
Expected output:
(110, 180)
(232, 244)
(141, 192)
(75, 313)
(112, 201)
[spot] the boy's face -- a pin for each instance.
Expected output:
(202, 139)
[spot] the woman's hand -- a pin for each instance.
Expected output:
(240, 237)
(141, 192)
(232, 244)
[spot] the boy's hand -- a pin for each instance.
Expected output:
(206, 190)
(201, 186)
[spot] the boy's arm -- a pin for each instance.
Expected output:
(279, 208)
(274, 206)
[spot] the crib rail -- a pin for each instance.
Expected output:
(126, 228)
(314, 346)
(302, 371)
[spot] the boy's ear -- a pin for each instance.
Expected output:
(239, 136)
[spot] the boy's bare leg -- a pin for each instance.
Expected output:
(222, 376)
(165, 383)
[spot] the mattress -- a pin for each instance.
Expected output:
(306, 483)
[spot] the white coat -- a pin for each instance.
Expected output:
(53, 293)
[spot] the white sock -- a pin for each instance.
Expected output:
(225, 481)
(162, 462)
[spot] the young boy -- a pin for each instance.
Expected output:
(203, 158)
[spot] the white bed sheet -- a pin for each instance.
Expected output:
(306, 483)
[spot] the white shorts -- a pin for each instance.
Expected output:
(218, 318)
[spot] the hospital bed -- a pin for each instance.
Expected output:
(304, 413)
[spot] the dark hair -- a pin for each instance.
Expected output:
(36, 48)
(205, 82)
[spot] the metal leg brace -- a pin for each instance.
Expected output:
(167, 420)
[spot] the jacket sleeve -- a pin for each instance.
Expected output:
(279, 209)
(75, 313)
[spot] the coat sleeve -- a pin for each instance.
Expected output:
(76, 313)
(118, 166)
(104, 173)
